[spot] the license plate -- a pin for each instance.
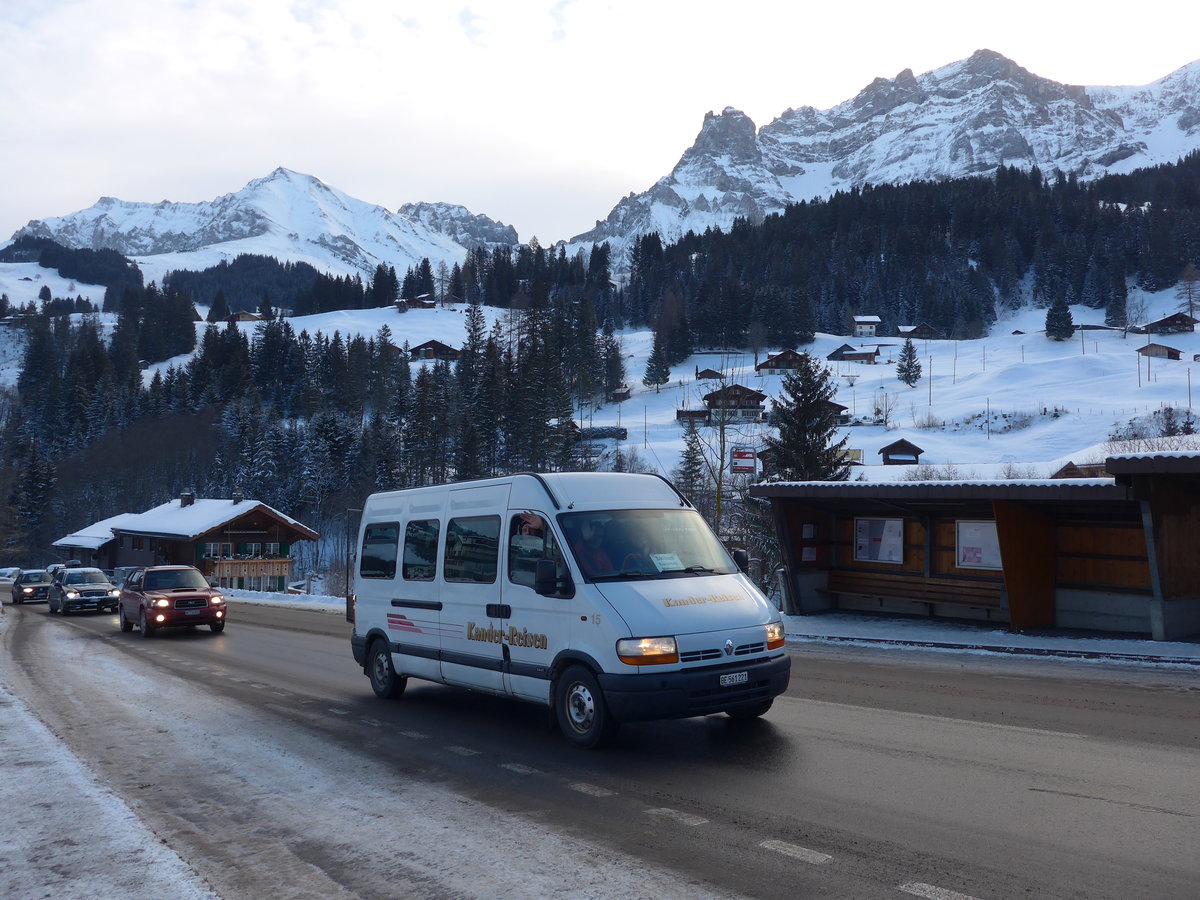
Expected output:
(192, 612)
(734, 678)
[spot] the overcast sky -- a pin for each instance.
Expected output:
(540, 114)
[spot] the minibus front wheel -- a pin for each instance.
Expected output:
(583, 716)
(384, 681)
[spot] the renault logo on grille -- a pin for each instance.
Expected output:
(729, 648)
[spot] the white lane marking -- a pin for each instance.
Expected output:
(520, 769)
(374, 723)
(337, 712)
(463, 751)
(912, 715)
(801, 853)
(677, 816)
(932, 892)
(584, 788)
(415, 735)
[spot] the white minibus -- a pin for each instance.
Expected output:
(604, 596)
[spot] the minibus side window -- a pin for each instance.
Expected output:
(528, 541)
(420, 550)
(472, 546)
(378, 556)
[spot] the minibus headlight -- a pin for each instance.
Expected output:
(774, 635)
(651, 651)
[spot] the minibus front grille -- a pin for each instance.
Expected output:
(691, 656)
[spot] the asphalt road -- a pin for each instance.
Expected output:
(263, 758)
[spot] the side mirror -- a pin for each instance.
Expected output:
(545, 578)
(741, 559)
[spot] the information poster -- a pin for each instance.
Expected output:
(978, 546)
(879, 540)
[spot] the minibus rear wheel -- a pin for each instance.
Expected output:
(384, 681)
(583, 716)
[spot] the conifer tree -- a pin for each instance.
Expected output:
(807, 448)
(658, 372)
(1059, 324)
(219, 311)
(908, 369)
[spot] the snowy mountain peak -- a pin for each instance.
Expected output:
(966, 118)
(461, 225)
(289, 215)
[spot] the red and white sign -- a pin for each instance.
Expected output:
(743, 461)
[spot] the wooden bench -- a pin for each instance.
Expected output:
(870, 583)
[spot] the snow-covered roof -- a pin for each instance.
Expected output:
(96, 535)
(868, 320)
(175, 520)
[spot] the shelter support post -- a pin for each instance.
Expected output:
(1027, 551)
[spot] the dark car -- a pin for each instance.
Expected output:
(76, 589)
(167, 597)
(82, 588)
(31, 586)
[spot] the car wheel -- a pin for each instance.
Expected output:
(17, 601)
(583, 717)
(749, 712)
(144, 626)
(217, 627)
(384, 681)
(126, 625)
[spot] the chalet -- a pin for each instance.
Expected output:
(846, 353)
(864, 326)
(709, 375)
(901, 453)
(735, 403)
(841, 413)
(850, 353)
(245, 316)
(1177, 323)
(619, 394)
(921, 332)
(434, 349)
(699, 416)
(780, 363)
(1114, 554)
(236, 543)
(1160, 351)
(1085, 470)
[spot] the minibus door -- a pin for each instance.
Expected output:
(472, 631)
(536, 626)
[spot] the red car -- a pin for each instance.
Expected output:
(167, 597)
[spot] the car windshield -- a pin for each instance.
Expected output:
(644, 543)
(174, 578)
(35, 577)
(85, 576)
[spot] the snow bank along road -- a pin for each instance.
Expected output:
(257, 763)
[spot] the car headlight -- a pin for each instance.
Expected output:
(162, 602)
(71, 595)
(651, 651)
(775, 637)
(216, 600)
(114, 593)
(27, 590)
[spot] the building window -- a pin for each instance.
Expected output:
(218, 551)
(138, 543)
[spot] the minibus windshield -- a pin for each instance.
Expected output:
(644, 543)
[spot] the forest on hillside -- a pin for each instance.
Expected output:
(311, 423)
